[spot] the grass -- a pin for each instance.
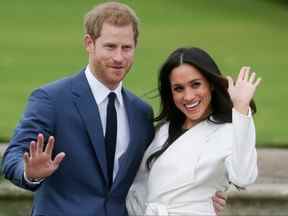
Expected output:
(42, 41)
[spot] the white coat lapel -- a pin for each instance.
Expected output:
(175, 168)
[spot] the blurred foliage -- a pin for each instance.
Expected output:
(41, 41)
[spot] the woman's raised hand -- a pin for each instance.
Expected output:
(243, 90)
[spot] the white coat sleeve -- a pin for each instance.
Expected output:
(242, 162)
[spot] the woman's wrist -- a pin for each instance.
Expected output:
(241, 108)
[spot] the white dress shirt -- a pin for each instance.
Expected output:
(100, 93)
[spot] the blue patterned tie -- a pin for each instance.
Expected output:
(111, 135)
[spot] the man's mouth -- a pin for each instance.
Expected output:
(117, 67)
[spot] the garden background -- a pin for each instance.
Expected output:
(41, 41)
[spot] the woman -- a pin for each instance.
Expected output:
(204, 142)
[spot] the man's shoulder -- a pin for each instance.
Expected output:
(58, 89)
(62, 82)
(137, 101)
(60, 85)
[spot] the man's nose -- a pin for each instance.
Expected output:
(118, 55)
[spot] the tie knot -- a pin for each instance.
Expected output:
(112, 96)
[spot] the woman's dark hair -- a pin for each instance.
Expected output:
(221, 103)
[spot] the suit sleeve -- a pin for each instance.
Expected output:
(242, 163)
(38, 118)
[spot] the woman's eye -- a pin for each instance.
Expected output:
(196, 84)
(178, 88)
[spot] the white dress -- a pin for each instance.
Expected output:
(200, 162)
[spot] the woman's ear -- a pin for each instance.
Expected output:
(211, 87)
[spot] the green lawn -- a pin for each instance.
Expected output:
(41, 41)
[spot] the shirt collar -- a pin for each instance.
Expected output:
(99, 90)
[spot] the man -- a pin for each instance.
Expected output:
(84, 122)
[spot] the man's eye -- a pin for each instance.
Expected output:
(127, 48)
(110, 46)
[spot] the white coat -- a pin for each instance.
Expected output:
(200, 162)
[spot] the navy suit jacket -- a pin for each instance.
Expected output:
(67, 110)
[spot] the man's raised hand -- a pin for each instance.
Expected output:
(38, 162)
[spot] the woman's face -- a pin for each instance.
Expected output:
(191, 93)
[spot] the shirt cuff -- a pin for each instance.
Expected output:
(249, 115)
(34, 181)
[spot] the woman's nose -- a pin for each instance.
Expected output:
(189, 94)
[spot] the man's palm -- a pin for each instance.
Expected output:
(39, 163)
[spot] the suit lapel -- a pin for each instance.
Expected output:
(88, 109)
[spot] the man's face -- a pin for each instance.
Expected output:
(111, 54)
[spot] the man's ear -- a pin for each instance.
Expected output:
(88, 43)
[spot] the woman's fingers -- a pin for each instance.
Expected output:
(219, 202)
(246, 73)
(252, 78)
(241, 74)
(230, 82)
(258, 81)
